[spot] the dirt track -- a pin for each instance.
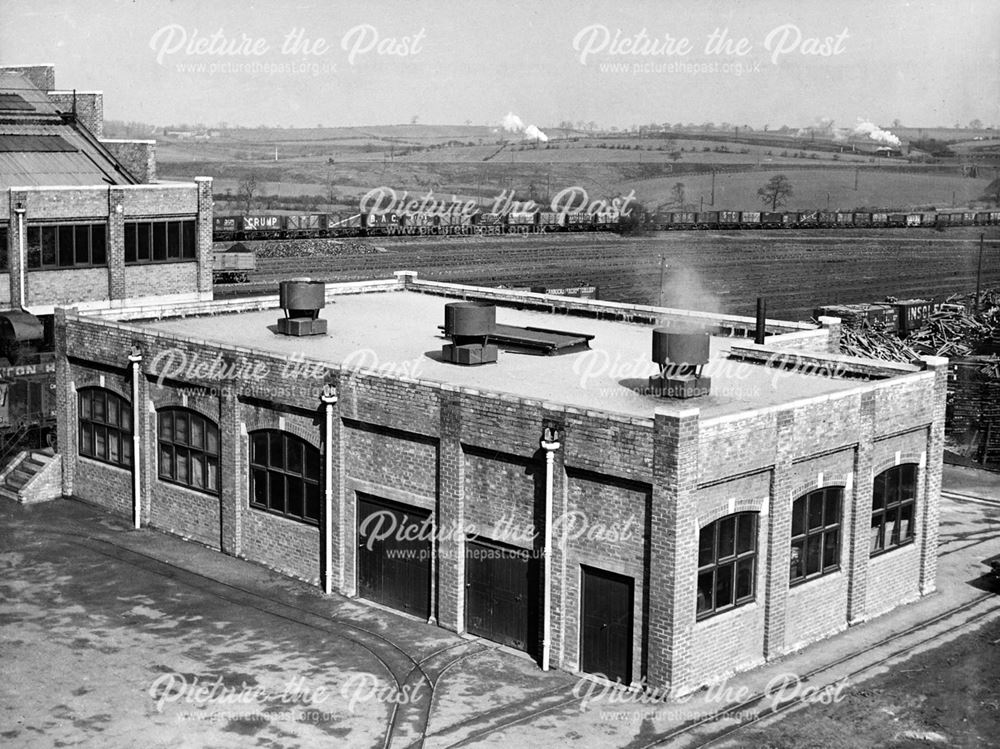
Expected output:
(718, 271)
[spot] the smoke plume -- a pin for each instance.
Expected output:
(877, 134)
(514, 124)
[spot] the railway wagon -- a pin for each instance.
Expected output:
(880, 219)
(845, 220)
(808, 220)
(550, 221)
(607, 220)
(772, 220)
(911, 314)
(729, 219)
(683, 220)
(862, 219)
(224, 228)
(914, 219)
(896, 220)
(264, 225)
(789, 220)
(750, 219)
(233, 265)
(827, 219)
(707, 220)
(304, 225)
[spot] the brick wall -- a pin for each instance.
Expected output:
(159, 278)
(64, 287)
(89, 107)
(137, 156)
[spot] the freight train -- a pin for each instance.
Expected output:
(229, 228)
(321, 225)
(689, 220)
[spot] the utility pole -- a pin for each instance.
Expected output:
(979, 272)
(713, 187)
(856, 170)
(663, 267)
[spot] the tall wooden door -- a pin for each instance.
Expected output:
(394, 555)
(606, 627)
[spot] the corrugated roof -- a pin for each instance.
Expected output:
(39, 149)
(14, 102)
(50, 169)
(19, 85)
(19, 143)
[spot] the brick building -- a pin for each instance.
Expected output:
(83, 221)
(686, 538)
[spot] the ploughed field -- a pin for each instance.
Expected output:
(714, 271)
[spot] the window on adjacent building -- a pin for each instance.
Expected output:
(105, 426)
(188, 449)
(894, 508)
(816, 534)
(3, 247)
(67, 246)
(160, 241)
(727, 555)
(284, 475)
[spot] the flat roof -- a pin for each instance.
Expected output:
(397, 332)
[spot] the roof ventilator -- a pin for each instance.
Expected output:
(302, 299)
(681, 357)
(469, 325)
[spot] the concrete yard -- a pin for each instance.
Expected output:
(113, 637)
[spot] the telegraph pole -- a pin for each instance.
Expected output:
(979, 271)
(663, 266)
(713, 187)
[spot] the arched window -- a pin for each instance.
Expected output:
(727, 555)
(188, 449)
(284, 475)
(893, 508)
(105, 426)
(816, 534)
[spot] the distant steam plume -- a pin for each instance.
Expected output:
(877, 134)
(514, 124)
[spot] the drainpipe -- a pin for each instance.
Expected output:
(135, 358)
(22, 254)
(549, 443)
(329, 399)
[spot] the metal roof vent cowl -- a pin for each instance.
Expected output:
(469, 325)
(302, 299)
(681, 358)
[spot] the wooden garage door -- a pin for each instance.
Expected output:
(501, 596)
(606, 629)
(394, 556)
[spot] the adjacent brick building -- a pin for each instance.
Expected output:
(82, 220)
(689, 538)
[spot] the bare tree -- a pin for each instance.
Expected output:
(677, 194)
(776, 192)
(246, 191)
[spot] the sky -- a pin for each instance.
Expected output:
(301, 63)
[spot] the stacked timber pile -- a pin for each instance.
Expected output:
(952, 331)
(876, 341)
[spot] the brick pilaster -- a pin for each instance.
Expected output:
(66, 417)
(673, 548)
(860, 515)
(146, 430)
(232, 471)
(17, 231)
(116, 244)
(203, 231)
(929, 508)
(451, 516)
(779, 530)
(559, 566)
